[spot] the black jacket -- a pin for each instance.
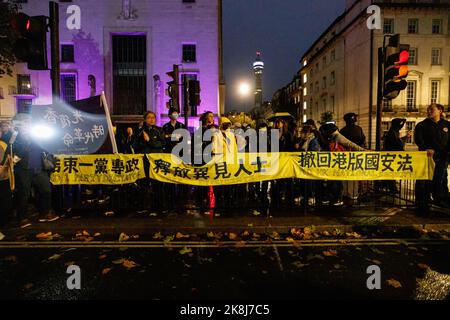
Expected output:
(154, 145)
(434, 136)
(393, 142)
(355, 134)
(168, 129)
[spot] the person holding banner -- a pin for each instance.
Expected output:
(5, 187)
(30, 172)
(433, 135)
(170, 127)
(150, 139)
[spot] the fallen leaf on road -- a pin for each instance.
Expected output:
(179, 235)
(299, 264)
(106, 270)
(210, 235)
(255, 236)
(185, 250)
(129, 264)
(326, 234)
(246, 233)
(70, 263)
(25, 226)
(337, 266)
(123, 237)
(109, 213)
(314, 256)
(289, 239)
(232, 236)
(250, 225)
(423, 266)
(119, 261)
(353, 235)
(394, 283)
(54, 257)
(256, 213)
(330, 253)
(169, 239)
(103, 256)
(375, 250)
(157, 236)
(377, 262)
(135, 236)
(98, 234)
(12, 259)
(2, 236)
(275, 235)
(153, 214)
(240, 244)
(28, 286)
(85, 233)
(44, 235)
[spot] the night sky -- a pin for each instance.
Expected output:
(281, 29)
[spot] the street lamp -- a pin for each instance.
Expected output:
(244, 89)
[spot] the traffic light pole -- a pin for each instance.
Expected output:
(186, 102)
(379, 97)
(54, 47)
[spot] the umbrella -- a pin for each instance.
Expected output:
(283, 115)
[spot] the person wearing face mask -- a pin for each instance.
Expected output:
(171, 139)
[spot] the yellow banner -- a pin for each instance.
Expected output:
(248, 168)
(108, 169)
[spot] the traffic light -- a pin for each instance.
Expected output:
(395, 71)
(31, 40)
(194, 95)
(174, 88)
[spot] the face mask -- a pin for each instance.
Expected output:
(174, 116)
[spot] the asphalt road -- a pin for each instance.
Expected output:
(224, 271)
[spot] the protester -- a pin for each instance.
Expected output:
(393, 142)
(150, 138)
(5, 187)
(30, 172)
(125, 141)
(337, 143)
(5, 131)
(355, 134)
(170, 127)
(432, 135)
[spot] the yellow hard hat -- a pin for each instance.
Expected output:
(224, 120)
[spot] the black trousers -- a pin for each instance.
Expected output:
(6, 202)
(40, 180)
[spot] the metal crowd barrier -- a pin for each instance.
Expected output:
(287, 194)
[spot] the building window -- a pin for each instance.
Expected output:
(305, 91)
(436, 56)
(305, 78)
(68, 87)
(305, 105)
(67, 53)
(324, 62)
(24, 84)
(410, 127)
(333, 78)
(413, 25)
(317, 86)
(24, 105)
(385, 127)
(324, 82)
(411, 96)
(189, 53)
(437, 26)
(388, 26)
(332, 103)
(311, 88)
(435, 88)
(412, 56)
(333, 55)
(387, 105)
(317, 67)
(324, 104)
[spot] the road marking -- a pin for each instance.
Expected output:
(224, 244)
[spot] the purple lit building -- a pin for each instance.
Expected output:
(125, 48)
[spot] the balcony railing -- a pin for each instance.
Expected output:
(23, 91)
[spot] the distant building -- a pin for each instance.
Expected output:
(339, 71)
(125, 48)
(258, 68)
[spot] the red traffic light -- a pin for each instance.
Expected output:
(403, 57)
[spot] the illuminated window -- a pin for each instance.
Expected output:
(411, 96)
(434, 94)
(436, 56)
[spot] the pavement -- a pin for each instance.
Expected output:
(388, 221)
